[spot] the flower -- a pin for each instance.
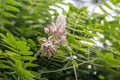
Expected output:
(48, 47)
(57, 35)
(58, 28)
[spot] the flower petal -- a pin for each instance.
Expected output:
(61, 21)
(63, 43)
(43, 40)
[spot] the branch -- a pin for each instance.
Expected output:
(64, 68)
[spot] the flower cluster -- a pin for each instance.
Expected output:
(57, 35)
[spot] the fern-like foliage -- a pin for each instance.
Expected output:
(81, 30)
(16, 58)
(110, 52)
(22, 25)
(25, 17)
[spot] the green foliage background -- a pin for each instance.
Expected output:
(22, 25)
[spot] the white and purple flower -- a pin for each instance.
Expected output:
(57, 35)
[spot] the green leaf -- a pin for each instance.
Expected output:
(5, 21)
(32, 42)
(75, 63)
(4, 61)
(26, 52)
(1, 52)
(100, 54)
(76, 30)
(1, 2)
(81, 56)
(109, 56)
(28, 58)
(103, 9)
(1, 10)
(11, 48)
(101, 77)
(3, 79)
(74, 46)
(11, 8)
(11, 38)
(98, 30)
(3, 36)
(36, 74)
(22, 46)
(91, 41)
(84, 50)
(114, 1)
(11, 54)
(30, 64)
(107, 5)
(3, 66)
(13, 2)
(8, 14)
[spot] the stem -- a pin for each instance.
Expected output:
(64, 68)
(37, 53)
(75, 73)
